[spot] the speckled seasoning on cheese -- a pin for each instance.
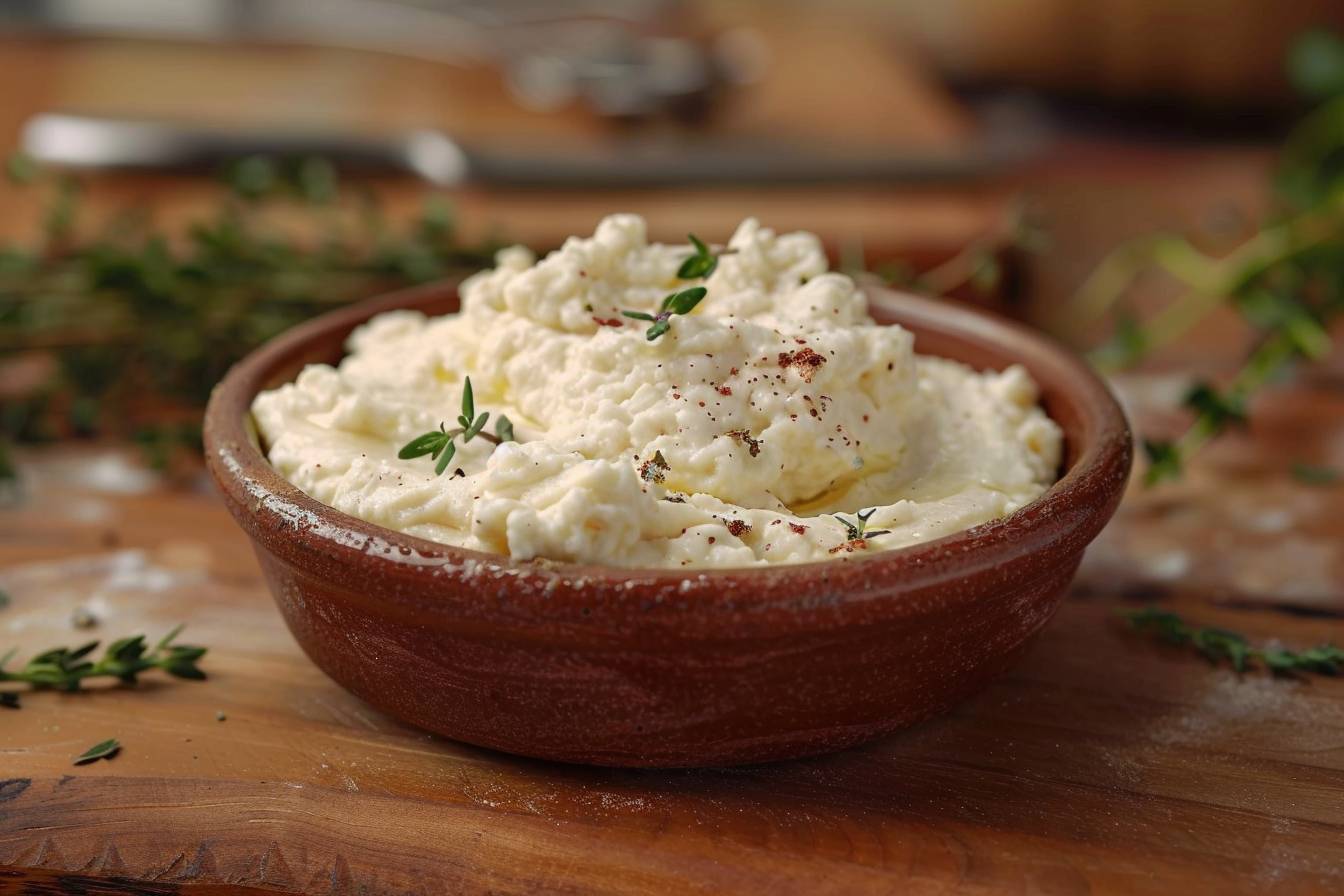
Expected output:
(775, 403)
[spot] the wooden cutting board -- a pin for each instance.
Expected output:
(1103, 763)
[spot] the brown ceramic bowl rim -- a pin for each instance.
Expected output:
(1083, 494)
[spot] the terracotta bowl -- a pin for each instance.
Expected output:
(671, 668)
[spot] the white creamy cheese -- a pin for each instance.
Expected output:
(774, 404)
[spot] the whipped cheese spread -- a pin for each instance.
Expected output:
(733, 439)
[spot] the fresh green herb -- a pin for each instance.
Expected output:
(139, 323)
(976, 265)
(1218, 645)
(65, 668)
(859, 531)
(105, 750)
(1164, 460)
(683, 302)
(1286, 281)
(702, 262)
(1307, 473)
(439, 445)
(1218, 409)
(1213, 410)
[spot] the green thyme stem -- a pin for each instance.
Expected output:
(1218, 645)
(66, 668)
(140, 322)
(493, 439)
(1210, 279)
(1217, 280)
(961, 268)
(1272, 353)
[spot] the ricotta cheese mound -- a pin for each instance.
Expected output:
(729, 441)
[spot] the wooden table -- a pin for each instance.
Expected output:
(1103, 763)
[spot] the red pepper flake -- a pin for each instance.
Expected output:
(806, 361)
(733, 372)
(798, 528)
(738, 528)
(607, 321)
(744, 437)
(724, 390)
(712, 539)
(849, 547)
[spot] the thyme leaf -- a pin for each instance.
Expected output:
(105, 750)
(702, 262)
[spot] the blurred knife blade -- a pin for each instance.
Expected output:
(90, 142)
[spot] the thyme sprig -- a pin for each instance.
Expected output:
(66, 668)
(858, 530)
(701, 263)
(439, 444)
(136, 320)
(1219, 645)
(1286, 281)
(682, 302)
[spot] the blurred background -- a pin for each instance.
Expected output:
(189, 177)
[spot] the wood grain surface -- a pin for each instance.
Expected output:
(1104, 763)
